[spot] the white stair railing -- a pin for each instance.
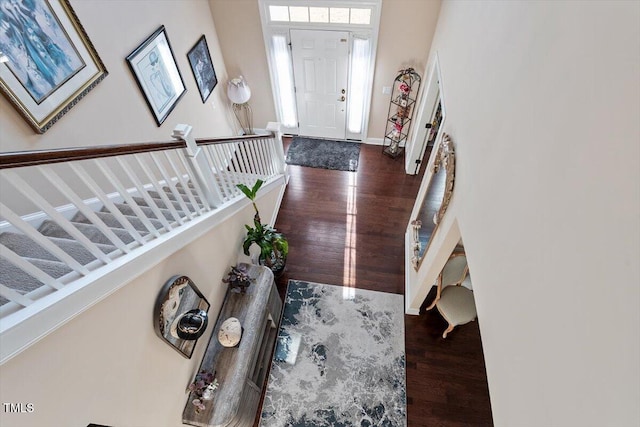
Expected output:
(242, 162)
(106, 201)
(41, 202)
(72, 212)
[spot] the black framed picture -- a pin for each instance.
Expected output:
(202, 67)
(48, 62)
(156, 71)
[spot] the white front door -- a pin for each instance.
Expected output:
(320, 69)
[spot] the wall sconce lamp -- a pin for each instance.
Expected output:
(3, 57)
(239, 93)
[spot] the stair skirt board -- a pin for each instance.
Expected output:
(15, 278)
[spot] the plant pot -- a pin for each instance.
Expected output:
(275, 263)
(207, 393)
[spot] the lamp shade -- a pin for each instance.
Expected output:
(238, 90)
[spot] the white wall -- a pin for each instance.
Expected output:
(406, 30)
(543, 101)
(115, 111)
(240, 32)
(107, 366)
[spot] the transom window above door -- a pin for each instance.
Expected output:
(320, 15)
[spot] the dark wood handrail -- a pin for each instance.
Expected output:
(17, 159)
(210, 141)
(42, 157)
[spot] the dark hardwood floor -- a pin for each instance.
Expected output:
(347, 228)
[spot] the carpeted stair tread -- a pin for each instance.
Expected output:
(112, 222)
(171, 196)
(26, 247)
(93, 233)
(181, 188)
(128, 211)
(161, 204)
(18, 280)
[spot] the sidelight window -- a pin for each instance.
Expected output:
(284, 87)
(360, 59)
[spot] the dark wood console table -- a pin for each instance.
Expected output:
(241, 370)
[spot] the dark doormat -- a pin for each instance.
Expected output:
(324, 154)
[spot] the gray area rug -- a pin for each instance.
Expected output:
(339, 360)
(324, 154)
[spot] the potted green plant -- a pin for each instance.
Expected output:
(273, 245)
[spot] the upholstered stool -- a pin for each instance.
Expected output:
(454, 301)
(457, 306)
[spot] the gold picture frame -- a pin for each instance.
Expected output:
(50, 67)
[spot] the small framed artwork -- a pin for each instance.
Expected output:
(48, 62)
(202, 67)
(154, 66)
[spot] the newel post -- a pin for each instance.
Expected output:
(279, 149)
(197, 160)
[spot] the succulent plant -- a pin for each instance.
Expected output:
(238, 278)
(202, 387)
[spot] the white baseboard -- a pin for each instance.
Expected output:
(374, 141)
(274, 217)
(412, 311)
(377, 141)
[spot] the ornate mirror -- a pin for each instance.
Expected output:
(435, 201)
(180, 315)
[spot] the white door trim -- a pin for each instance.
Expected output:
(270, 28)
(428, 105)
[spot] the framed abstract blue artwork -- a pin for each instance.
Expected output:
(50, 63)
(154, 66)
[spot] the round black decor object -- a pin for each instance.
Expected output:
(192, 324)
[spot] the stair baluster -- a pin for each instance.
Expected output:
(168, 181)
(106, 201)
(82, 207)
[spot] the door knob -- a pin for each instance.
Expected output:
(342, 98)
